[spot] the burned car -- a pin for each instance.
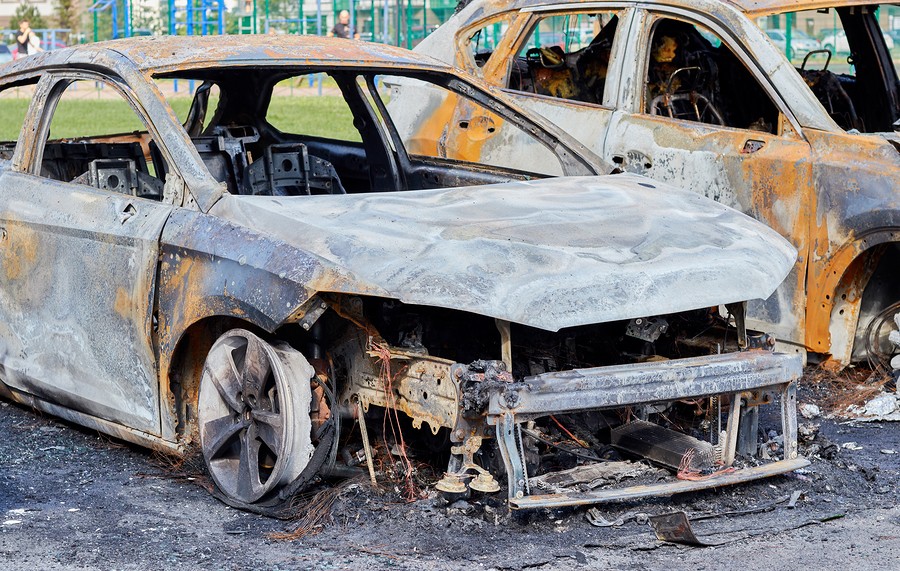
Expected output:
(227, 279)
(697, 94)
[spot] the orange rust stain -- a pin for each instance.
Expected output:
(123, 305)
(457, 130)
(20, 248)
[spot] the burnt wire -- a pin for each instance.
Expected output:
(384, 355)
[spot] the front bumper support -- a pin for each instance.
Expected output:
(746, 376)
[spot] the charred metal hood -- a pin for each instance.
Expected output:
(549, 254)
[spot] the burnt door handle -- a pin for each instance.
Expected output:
(126, 213)
(751, 146)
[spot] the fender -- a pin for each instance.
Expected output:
(210, 267)
(835, 294)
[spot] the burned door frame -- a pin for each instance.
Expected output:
(562, 112)
(775, 190)
(84, 310)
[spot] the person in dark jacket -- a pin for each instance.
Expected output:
(342, 28)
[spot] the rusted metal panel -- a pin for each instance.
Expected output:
(501, 250)
(858, 210)
(76, 297)
(622, 385)
(212, 267)
(115, 429)
(832, 193)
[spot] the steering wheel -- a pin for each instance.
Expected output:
(689, 105)
(829, 91)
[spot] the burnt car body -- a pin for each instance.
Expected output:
(217, 281)
(696, 94)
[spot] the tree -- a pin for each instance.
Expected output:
(67, 14)
(28, 12)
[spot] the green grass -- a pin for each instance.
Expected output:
(320, 116)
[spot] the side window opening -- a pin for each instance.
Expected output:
(97, 139)
(566, 56)
(693, 75)
(15, 101)
(461, 129)
(480, 45)
(847, 56)
(284, 139)
(365, 133)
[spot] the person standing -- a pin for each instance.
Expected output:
(27, 41)
(342, 27)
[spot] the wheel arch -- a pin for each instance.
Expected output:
(180, 372)
(843, 294)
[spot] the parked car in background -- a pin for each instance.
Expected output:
(812, 152)
(801, 43)
(252, 280)
(836, 42)
(5, 54)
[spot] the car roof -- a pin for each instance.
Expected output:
(165, 54)
(753, 8)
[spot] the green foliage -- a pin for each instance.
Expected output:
(67, 14)
(28, 12)
(324, 116)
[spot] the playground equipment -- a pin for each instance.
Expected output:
(197, 17)
(112, 6)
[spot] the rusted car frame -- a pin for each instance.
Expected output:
(831, 190)
(216, 300)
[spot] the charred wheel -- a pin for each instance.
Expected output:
(254, 416)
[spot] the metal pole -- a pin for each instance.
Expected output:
(399, 22)
(171, 17)
(352, 18)
(385, 21)
(253, 26)
(372, 6)
(788, 34)
(115, 19)
(318, 17)
(409, 24)
(266, 28)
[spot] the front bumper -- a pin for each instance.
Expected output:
(750, 378)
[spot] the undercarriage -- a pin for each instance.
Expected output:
(676, 395)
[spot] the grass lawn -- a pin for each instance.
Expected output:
(321, 116)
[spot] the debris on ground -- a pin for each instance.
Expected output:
(884, 406)
(595, 517)
(809, 410)
(856, 393)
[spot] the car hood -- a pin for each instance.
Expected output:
(549, 254)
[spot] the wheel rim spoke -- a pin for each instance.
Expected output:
(217, 433)
(256, 367)
(228, 387)
(248, 484)
(269, 428)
